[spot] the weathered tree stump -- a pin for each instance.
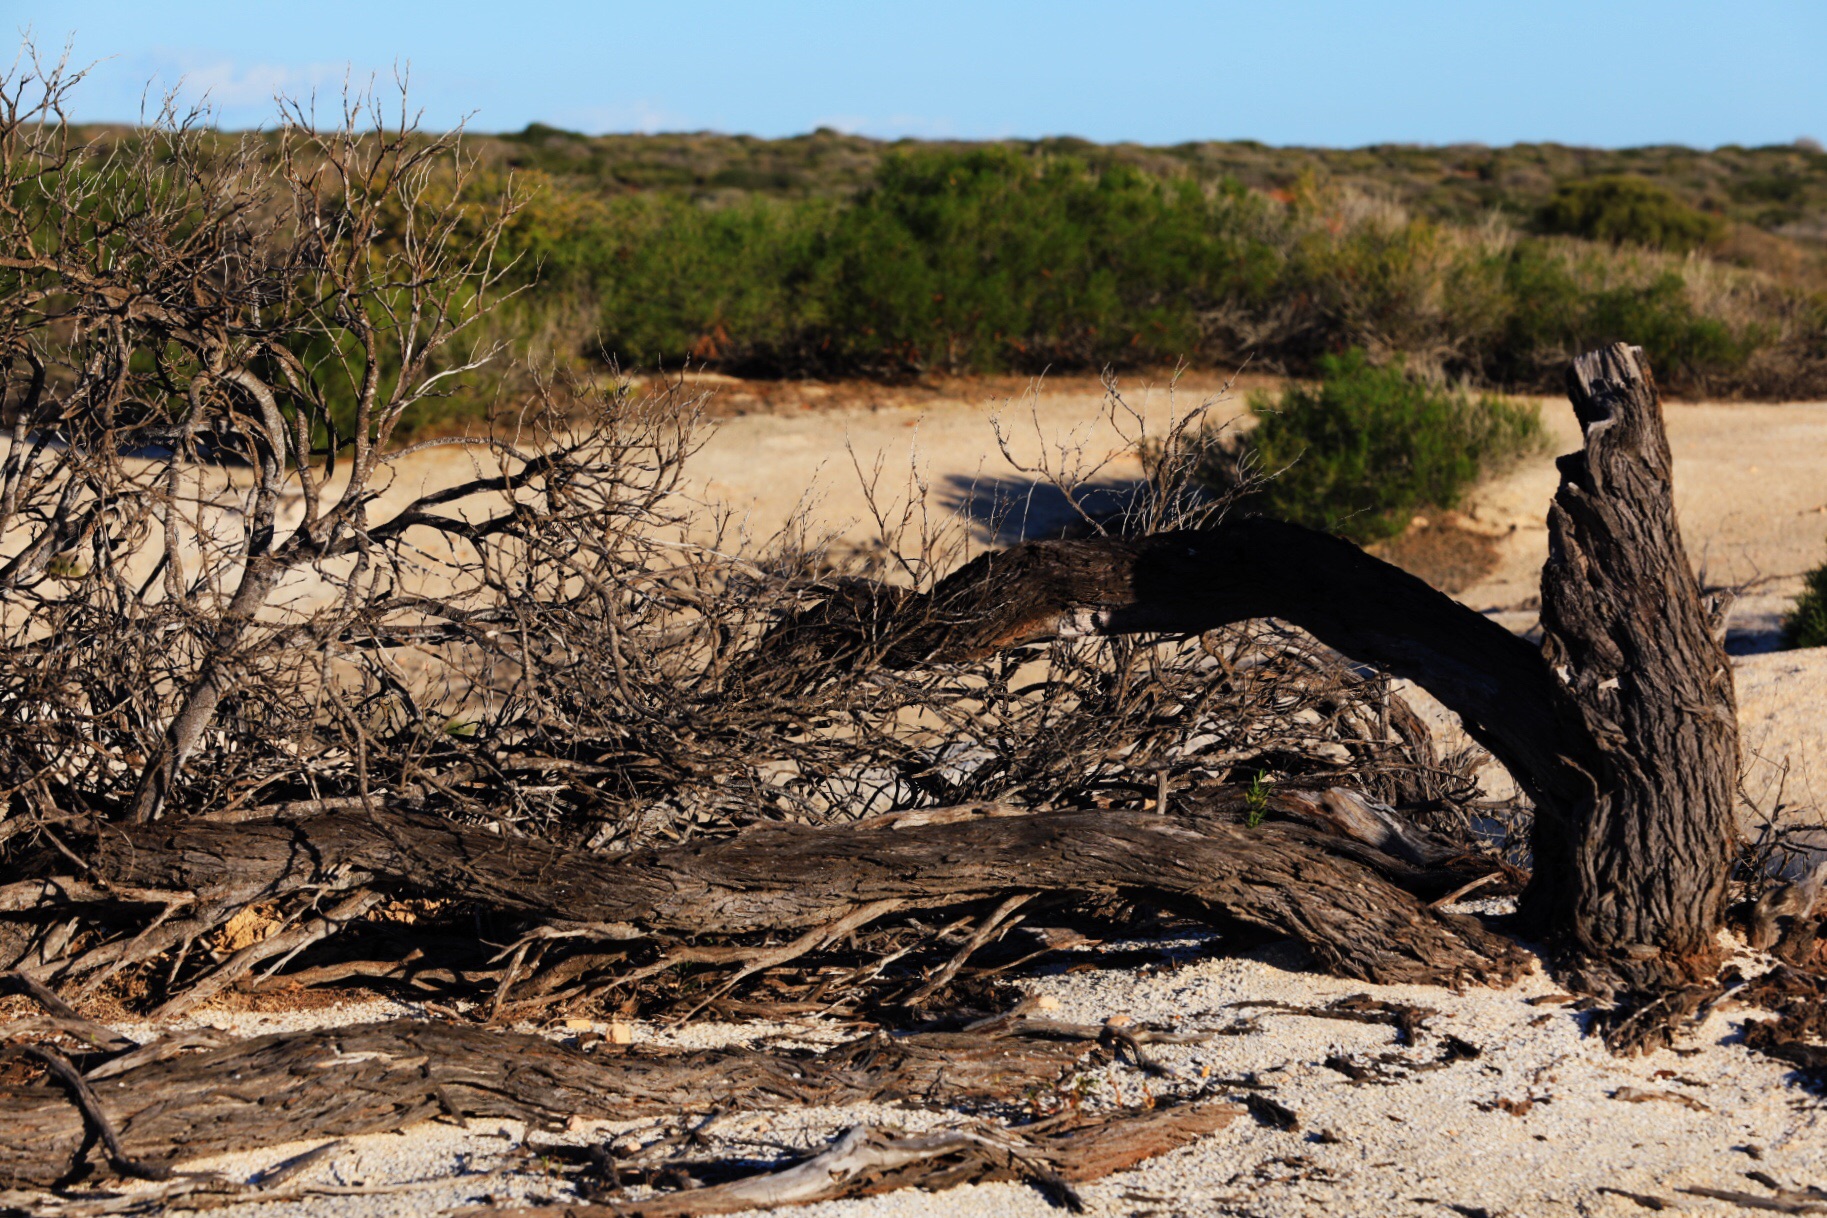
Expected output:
(1632, 877)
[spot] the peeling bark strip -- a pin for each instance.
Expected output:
(786, 878)
(1635, 877)
(373, 1078)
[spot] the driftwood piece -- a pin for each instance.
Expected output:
(788, 878)
(372, 1078)
(865, 1161)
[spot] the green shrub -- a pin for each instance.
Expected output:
(1806, 625)
(990, 260)
(1364, 450)
(1619, 209)
(1553, 313)
(1681, 344)
(729, 285)
(994, 259)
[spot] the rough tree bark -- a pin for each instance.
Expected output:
(1335, 894)
(1633, 878)
(168, 1106)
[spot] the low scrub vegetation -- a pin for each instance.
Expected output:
(1364, 450)
(991, 260)
(834, 256)
(1806, 625)
(1779, 188)
(1627, 209)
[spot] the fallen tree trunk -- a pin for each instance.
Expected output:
(373, 1078)
(1632, 835)
(1285, 877)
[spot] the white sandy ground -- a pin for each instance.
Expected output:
(1751, 488)
(1431, 1139)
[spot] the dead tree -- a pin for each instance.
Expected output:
(1632, 874)
(1622, 728)
(210, 347)
(1597, 892)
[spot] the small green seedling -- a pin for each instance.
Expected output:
(1256, 801)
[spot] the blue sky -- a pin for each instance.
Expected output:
(1603, 72)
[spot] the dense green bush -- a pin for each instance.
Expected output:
(993, 259)
(1806, 625)
(1551, 314)
(1619, 209)
(981, 261)
(1361, 452)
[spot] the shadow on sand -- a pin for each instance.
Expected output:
(1004, 511)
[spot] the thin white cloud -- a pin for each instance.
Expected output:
(230, 84)
(641, 115)
(895, 126)
(237, 91)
